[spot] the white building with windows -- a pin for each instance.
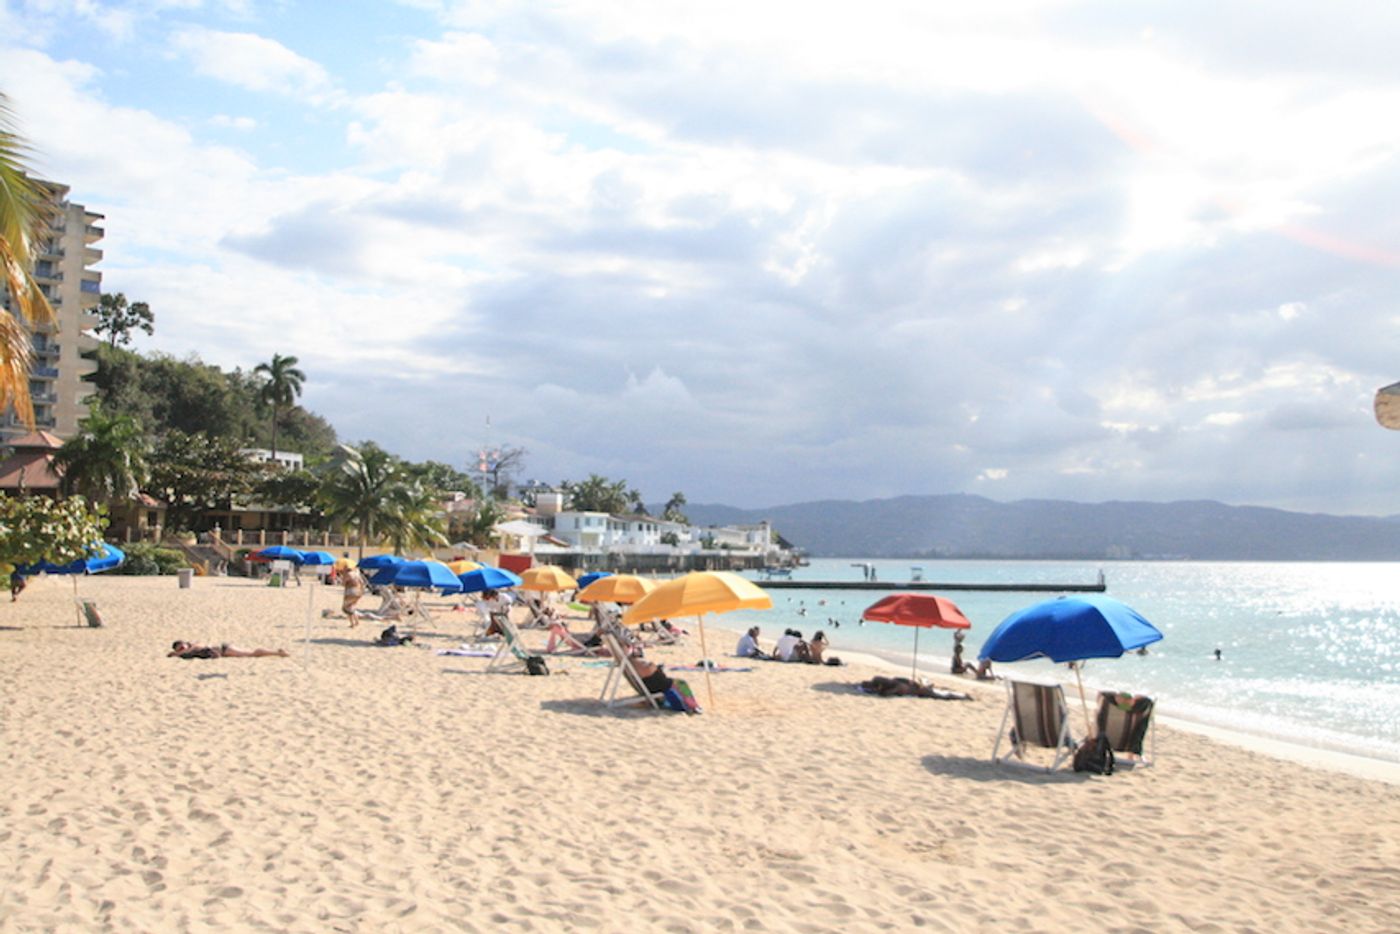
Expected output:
(63, 258)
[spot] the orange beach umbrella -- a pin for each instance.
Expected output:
(547, 577)
(696, 594)
(617, 588)
(922, 611)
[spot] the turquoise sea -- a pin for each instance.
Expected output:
(1311, 651)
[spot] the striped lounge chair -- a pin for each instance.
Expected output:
(1126, 719)
(1036, 715)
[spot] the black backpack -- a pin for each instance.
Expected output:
(535, 665)
(1094, 755)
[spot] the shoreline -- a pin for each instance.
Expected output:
(1371, 768)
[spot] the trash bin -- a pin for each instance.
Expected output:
(186, 576)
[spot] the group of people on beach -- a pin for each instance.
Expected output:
(790, 647)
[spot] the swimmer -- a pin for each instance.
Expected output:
(1217, 653)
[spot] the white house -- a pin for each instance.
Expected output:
(586, 531)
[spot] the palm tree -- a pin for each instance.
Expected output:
(22, 219)
(107, 461)
(672, 512)
(413, 519)
(281, 388)
(357, 494)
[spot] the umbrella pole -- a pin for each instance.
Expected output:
(1088, 727)
(77, 607)
(705, 662)
(914, 668)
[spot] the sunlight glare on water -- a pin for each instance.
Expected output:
(1310, 651)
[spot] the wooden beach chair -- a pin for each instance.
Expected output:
(1036, 715)
(623, 670)
(1126, 719)
(511, 656)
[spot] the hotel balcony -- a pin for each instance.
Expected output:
(91, 255)
(51, 248)
(46, 350)
(91, 286)
(92, 233)
(46, 421)
(44, 372)
(43, 398)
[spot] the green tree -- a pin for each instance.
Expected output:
(280, 389)
(413, 518)
(478, 528)
(672, 512)
(358, 492)
(443, 478)
(36, 528)
(117, 319)
(24, 215)
(107, 460)
(599, 494)
(195, 473)
(290, 490)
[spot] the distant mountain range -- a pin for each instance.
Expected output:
(962, 526)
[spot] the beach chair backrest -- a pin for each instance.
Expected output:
(1039, 711)
(512, 637)
(1125, 720)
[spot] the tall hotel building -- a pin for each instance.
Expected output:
(63, 261)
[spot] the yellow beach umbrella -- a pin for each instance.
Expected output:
(547, 577)
(696, 594)
(617, 588)
(462, 566)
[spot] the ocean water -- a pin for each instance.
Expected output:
(1310, 651)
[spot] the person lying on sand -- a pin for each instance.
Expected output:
(905, 687)
(181, 649)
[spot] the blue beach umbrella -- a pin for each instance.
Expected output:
(1070, 629)
(375, 562)
(488, 578)
(419, 574)
(102, 557)
(592, 576)
(281, 553)
(317, 558)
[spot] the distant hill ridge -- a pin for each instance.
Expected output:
(965, 526)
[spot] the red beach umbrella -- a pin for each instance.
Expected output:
(922, 611)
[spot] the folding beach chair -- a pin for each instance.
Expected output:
(563, 642)
(511, 656)
(623, 670)
(1036, 715)
(1126, 719)
(88, 613)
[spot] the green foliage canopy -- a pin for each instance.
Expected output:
(36, 528)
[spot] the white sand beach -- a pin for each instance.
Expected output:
(375, 789)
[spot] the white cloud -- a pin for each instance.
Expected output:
(242, 124)
(253, 62)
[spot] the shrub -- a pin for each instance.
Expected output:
(143, 558)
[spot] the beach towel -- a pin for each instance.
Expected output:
(471, 651)
(714, 668)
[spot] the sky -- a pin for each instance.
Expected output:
(766, 253)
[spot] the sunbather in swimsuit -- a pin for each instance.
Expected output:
(181, 649)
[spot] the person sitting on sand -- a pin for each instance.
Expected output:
(959, 666)
(787, 645)
(391, 637)
(906, 687)
(182, 649)
(748, 646)
(18, 582)
(817, 648)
